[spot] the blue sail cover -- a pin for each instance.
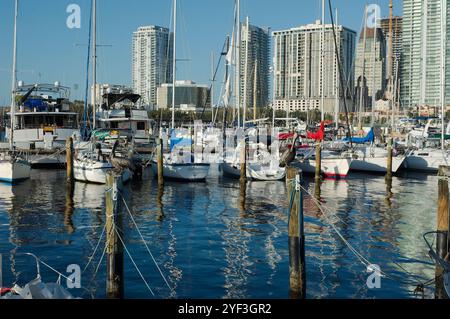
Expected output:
(370, 137)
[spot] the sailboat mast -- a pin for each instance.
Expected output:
(443, 69)
(238, 61)
(361, 83)
(244, 114)
(212, 86)
(374, 49)
(14, 80)
(174, 62)
(94, 63)
(336, 105)
(322, 95)
(255, 91)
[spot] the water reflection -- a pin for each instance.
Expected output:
(210, 245)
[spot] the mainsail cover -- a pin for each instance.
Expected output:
(369, 138)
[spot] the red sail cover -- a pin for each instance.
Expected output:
(318, 136)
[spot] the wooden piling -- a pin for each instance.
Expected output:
(68, 213)
(69, 159)
(160, 162)
(389, 159)
(442, 236)
(114, 247)
(318, 161)
(297, 269)
(243, 163)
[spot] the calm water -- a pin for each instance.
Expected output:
(208, 247)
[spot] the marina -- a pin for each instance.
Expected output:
(209, 248)
(332, 188)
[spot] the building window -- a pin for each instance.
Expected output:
(140, 126)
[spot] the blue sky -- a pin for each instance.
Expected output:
(48, 51)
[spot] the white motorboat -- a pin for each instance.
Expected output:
(43, 123)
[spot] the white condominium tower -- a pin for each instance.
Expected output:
(152, 61)
(299, 65)
(421, 59)
(255, 65)
(370, 62)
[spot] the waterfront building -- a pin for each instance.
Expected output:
(189, 96)
(300, 67)
(151, 61)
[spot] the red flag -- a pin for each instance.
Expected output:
(319, 135)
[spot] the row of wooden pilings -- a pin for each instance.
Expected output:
(296, 234)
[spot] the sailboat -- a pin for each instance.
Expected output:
(334, 164)
(13, 167)
(265, 166)
(176, 166)
(370, 157)
(89, 166)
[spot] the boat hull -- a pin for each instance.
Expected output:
(14, 172)
(330, 167)
(428, 161)
(254, 172)
(95, 172)
(376, 164)
(196, 172)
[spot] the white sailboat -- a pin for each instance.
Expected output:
(259, 169)
(13, 168)
(333, 165)
(374, 159)
(89, 167)
(177, 167)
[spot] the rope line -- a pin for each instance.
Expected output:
(360, 257)
(132, 260)
(146, 246)
(95, 250)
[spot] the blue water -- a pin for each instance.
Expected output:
(209, 247)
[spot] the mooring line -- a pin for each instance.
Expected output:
(132, 260)
(361, 258)
(146, 246)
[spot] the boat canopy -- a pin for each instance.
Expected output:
(370, 137)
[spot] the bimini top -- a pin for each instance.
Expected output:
(115, 99)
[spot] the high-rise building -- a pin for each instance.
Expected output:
(255, 64)
(420, 82)
(189, 96)
(300, 64)
(397, 32)
(370, 61)
(152, 61)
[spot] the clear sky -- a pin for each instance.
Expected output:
(49, 51)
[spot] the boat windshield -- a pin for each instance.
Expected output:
(34, 121)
